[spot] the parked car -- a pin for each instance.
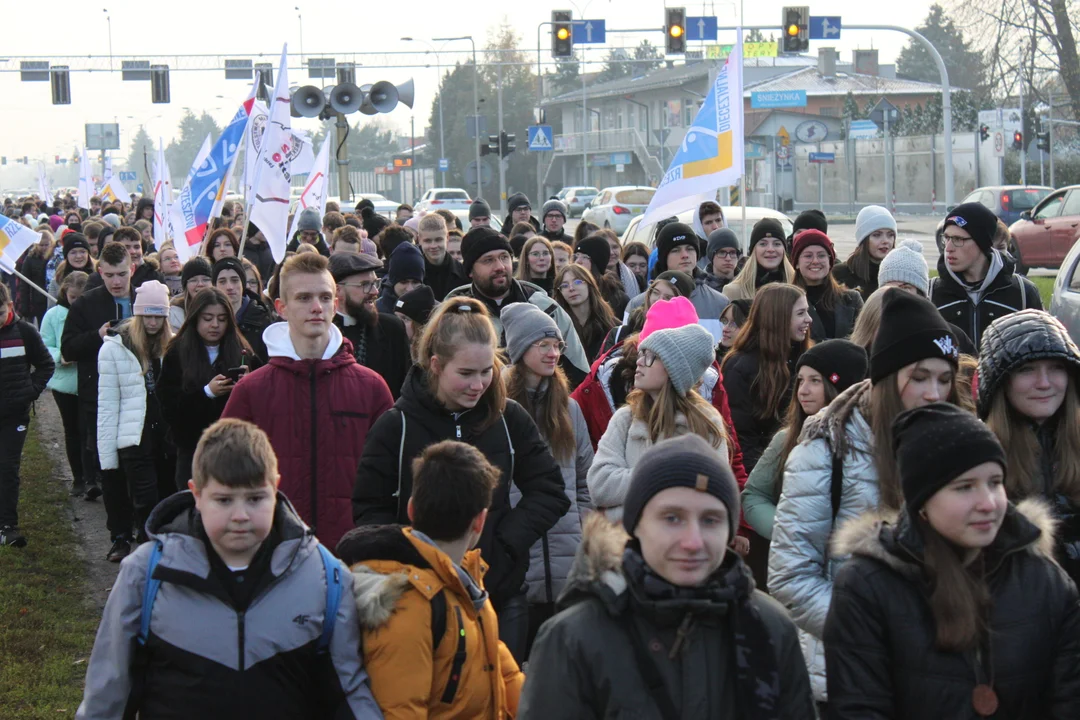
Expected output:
(614, 207)
(636, 232)
(1043, 236)
(449, 198)
(383, 205)
(463, 216)
(1065, 301)
(1007, 202)
(577, 198)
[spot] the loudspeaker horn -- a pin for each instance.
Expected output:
(383, 96)
(405, 93)
(307, 101)
(366, 107)
(346, 98)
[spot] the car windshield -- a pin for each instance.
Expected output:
(1027, 198)
(374, 198)
(451, 195)
(634, 196)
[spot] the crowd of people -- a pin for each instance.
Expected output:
(417, 469)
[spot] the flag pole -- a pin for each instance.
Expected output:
(258, 165)
(32, 284)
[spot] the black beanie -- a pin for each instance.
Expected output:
(74, 240)
(810, 220)
(682, 282)
(517, 200)
(766, 227)
(598, 250)
(977, 220)
(417, 304)
(683, 461)
(481, 240)
(937, 443)
(911, 330)
(479, 209)
(197, 265)
(841, 363)
(227, 263)
(671, 236)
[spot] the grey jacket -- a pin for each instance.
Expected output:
(758, 496)
(204, 658)
(550, 557)
(801, 565)
(708, 303)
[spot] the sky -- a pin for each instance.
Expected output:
(32, 126)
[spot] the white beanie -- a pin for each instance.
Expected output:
(906, 264)
(871, 218)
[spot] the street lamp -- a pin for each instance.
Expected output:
(301, 19)
(476, 101)
(108, 19)
(438, 98)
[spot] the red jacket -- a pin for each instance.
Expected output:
(317, 414)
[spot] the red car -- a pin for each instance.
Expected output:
(1044, 235)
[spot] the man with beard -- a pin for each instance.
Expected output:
(379, 339)
(488, 261)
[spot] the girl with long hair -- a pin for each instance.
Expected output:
(131, 429)
(577, 294)
(843, 467)
(594, 254)
(833, 309)
(536, 382)
(204, 362)
(667, 285)
(767, 262)
(76, 256)
(1029, 380)
(952, 607)
(759, 369)
(875, 231)
(732, 319)
(537, 263)
(196, 276)
(457, 392)
(636, 257)
(30, 303)
(222, 243)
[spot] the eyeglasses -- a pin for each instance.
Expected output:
(647, 357)
(578, 257)
(539, 254)
(728, 254)
(546, 346)
(576, 282)
(956, 240)
(366, 286)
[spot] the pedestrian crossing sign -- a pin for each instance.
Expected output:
(540, 138)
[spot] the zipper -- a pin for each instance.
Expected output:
(314, 457)
(547, 568)
(457, 431)
(240, 637)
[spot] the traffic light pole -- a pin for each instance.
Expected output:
(501, 160)
(1023, 130)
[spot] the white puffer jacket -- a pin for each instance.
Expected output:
(121, 401)
(619, 450)
(801, 563)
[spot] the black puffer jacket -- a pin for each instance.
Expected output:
(880, 637)
(755, 432)
(386, 348)
(845, 313)
(444, 277)
(188, 411)
(25, 366)
(512, 444)
(253, 319)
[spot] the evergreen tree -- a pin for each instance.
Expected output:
(181, 152)
(141, 157)
(965, 64)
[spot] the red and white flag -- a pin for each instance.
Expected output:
(314, 194)
(273, 167)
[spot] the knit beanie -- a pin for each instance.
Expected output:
(418, 303)
(194, 267)
(413, 223)
(722, 239)
(597, 249)
(682, 461)
(524, 324)
(812, 219)
(671, 236)
(686, 352)
(911, 330)
(228, 263)
(906, 264)
(368, 247)
(806, 238)
(517, 200)
(151, 298)
(841, 363)
(979, 221)
(667, 314)
(553, 206)
(481, 240)
(309, 220)
(766, 228)
(74, 240)
(55, 221)
(479, 209)
(375, 224)
(680, 281)
(113, 219)
(406, 263)
(937, 443)
(872, 218)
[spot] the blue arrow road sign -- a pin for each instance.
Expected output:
(126, 176)
(701, 28)
(825, 27)
(589, 31)
(540, 138)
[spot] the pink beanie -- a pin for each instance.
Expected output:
(368, 247)
(413, 223)
(668, 314)
(151, 298)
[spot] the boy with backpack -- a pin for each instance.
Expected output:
(430, 634)
(233, 608)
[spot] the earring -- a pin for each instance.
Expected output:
(922, 514)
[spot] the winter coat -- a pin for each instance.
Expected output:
(511, 443)
(847, 277)
(318, 414)
(397, 577)
(508, 225)
(880, 635)
(319, 245)
(29, 302)
(262, 258)
(758, 495)
(708, 303)
(65, 379)
(25, 367)
(801, 566)
(755, 432)
(845, 313)
(177, 315)
(631, 285)
(444, 277)
(550, 557)
(386, 348)
(1000, 293)
(251, 321)
(147, 271)
(583, 663)
(80, 341)
(121, 405)
(261, 661)
(187, 412)
(624, 442)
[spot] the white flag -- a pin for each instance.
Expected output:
(273, 169)
(43, 184)
(114, 190)
(107, 173)
(15, 238)
(301, 164)
(86, 181)
(162, 197)
(314, 194)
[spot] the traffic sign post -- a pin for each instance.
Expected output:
(825, 27)
(444, 164)
(540, 138)
(701, 28)
(126, 176)
(822, 157)
(590, 31)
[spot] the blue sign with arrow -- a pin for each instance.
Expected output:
(589, 31)
(126, 176)
(701, 28)
(540, 138)
(825, 27)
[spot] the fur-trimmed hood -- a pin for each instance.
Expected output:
(832, 422)
(599, 558)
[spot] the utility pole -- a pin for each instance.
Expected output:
(412, 162)
(344, 186)
(584, 126)
(501, 160)
(1023, 133)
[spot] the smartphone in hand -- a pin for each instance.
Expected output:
(235, 373)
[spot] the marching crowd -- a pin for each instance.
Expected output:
(418, 469)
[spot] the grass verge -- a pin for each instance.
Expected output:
(46, 626)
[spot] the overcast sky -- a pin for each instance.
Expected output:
(32, 126)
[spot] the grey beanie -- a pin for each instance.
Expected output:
(722, 239)
(872, 218)
(905, 263)
(686, 352)
(309, 220)
(553, 206)
(479, 209)
(524, 324)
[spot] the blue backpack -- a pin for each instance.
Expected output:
(331, 565)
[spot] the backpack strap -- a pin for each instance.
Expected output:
(1023, 291)
(150, 591)
(401, 465)
(459, 661)
(510, 444)
(836, 483)
(332, 567)
(438, 619)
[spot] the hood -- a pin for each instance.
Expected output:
(597, 569)
(843, 423)
(279, 344)
(1000, 273)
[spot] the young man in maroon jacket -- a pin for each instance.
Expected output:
(313, 400)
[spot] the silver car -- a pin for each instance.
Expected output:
(637, 232)
(1065, 302)
(577, 199)
(614, 207)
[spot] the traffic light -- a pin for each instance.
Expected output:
(1042, 140)
(562, 34)
(159, 84)
(60, 80)
(675, 30)
(984, 133)
(796, 24)
(507, 144)
(492, 146)
(1018, 140)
